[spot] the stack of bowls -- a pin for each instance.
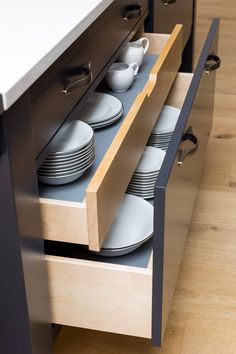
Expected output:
(72, 156)
(143, 180)
(131, 227)
(163, 130)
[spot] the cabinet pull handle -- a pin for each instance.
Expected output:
(168, 2)
(188, 135)
(132, 11)
(85, 73)
(212, 63)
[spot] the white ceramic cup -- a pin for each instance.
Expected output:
(134, 52)
(120, 76)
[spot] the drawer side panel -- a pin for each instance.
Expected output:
(64, 221)
(100, 297)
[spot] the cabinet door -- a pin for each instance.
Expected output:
(177, 184)
(167, 13)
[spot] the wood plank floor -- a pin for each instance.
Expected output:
(203, 316)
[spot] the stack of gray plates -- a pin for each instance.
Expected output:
(143, 180)
(101, 110)
(132, 226)
(163, 130)
(72, 156)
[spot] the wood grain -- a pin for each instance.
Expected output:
(102, 296)
(179, 90)
(64, 221)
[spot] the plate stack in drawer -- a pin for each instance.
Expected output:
(163, 130)
(144, 177)
(73, 155)
(101, 110)
(132, 227)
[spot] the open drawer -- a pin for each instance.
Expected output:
(87, 218)
(132, 294)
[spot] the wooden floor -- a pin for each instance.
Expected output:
(203, 316)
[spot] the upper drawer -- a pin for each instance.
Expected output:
(75, 76)
(69, 218)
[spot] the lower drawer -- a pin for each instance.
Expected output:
(102, 296)
(132, 294)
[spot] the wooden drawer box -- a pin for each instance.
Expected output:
(87, 222)
(125, 296)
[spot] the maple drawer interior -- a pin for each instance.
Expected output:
(82, 212)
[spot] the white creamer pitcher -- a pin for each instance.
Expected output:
(134, 52)
(120, 76)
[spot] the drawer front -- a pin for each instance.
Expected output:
(167, 13)
(59, 97)
(177, 185)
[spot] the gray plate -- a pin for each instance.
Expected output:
(145, 190)
(70, 165)
(142, 187)
(143, 179)
(108, 122)
(62, 180)
(71, 153)
(100, 107)
(146, 175)
(120, 251)
(132, 224)
(142, 195)
(77, 135)
(66, 171)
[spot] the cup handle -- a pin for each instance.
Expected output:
(145, 45)
(135, 68)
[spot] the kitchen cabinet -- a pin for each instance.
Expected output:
(24, 280)
(82, 286)
(165, 14)
(63, 85)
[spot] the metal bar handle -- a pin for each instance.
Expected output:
(213, 63)
(85, 73)
(188, 135)
(132, 11)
